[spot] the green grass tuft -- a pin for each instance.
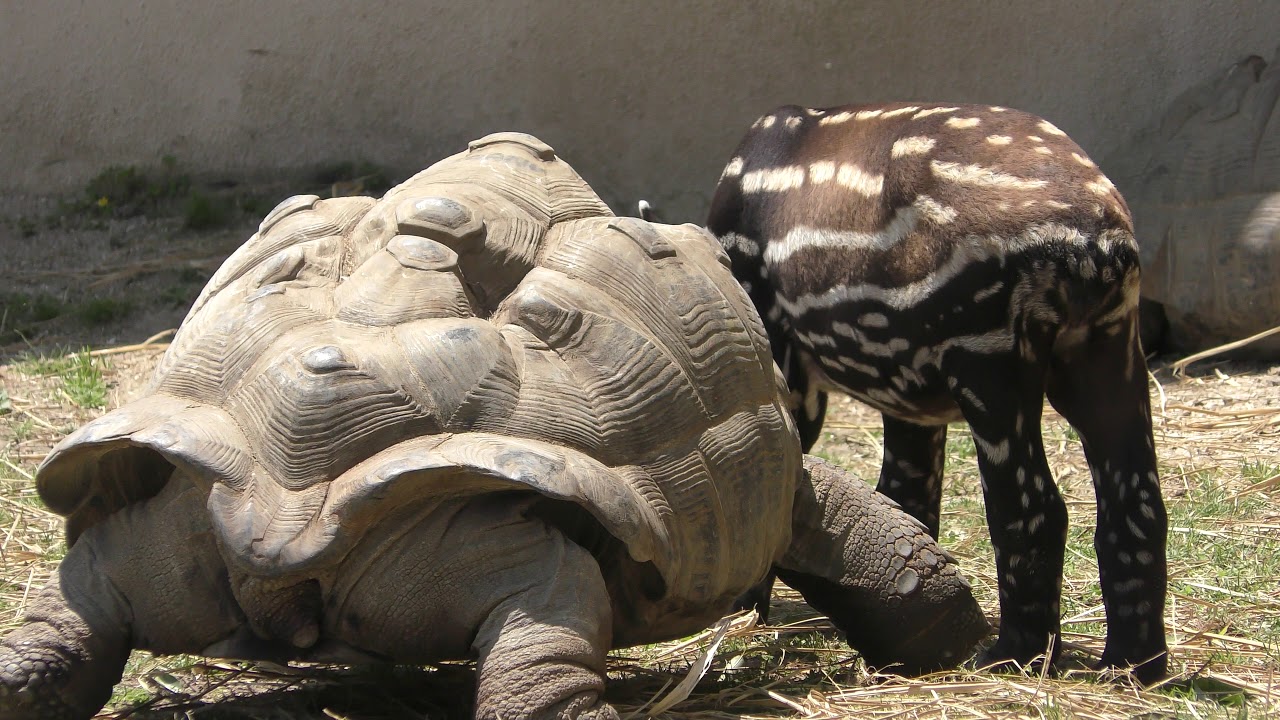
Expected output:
(79, 373)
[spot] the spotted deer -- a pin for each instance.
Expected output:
(947, 262)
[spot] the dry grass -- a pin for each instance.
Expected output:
(1218, 436)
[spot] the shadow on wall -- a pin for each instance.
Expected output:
(1203, 183)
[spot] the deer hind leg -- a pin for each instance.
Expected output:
(1100, 387)
(1002, 398)
(911, 474)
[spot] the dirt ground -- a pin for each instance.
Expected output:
(72, 280)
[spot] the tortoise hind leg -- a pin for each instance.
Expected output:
(148, 576)
(879, 576)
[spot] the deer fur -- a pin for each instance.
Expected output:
(949, 262)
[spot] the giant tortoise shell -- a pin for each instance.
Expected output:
(387, 428)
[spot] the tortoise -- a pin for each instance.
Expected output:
(479, 417)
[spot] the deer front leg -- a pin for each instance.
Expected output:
(148, 577)
(912, 471)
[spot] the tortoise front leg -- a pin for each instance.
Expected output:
(879, 576)
(542, 651)
(148, 576)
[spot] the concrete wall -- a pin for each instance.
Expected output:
(646, 99)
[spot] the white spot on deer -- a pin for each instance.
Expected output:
(963, 123)
(814, 112)
(868, 114)
(859, 180)
(733, 169)
(821, 171)
(1101, 186)
(978, 175)
(862, 368)
(1038, 481)
(1129, 585)
(1021, 476)
(1035, 522)
(900, 111)
(1026, 501)
(997, 108)
(987, 292)
(1145, 557)
(768, 121)
(995, 453)
(1147, 511)
(1015, 560)
(903, 222)
(1125, 557)
(773, 179)
(1057, 205)
(1083, 160)
(972, 398)
(1043, 150)
(1017, 428)
(1050, 128)
(934, 211)
(999, 139)
(746, 286)
(914, 145)
(873, 320)
(933, 111)
(1029, 203)
(813, 339)
(836, 119)
(830, 362)
(1035, 138)
(1134, 529)
(764, 273)
(793, 122)
(774, 314)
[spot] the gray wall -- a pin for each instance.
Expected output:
(646, 99)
